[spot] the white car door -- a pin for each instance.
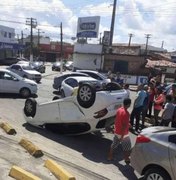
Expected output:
(8, 83)
(68, 86)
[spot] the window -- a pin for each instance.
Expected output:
(16, 67)
(10, 35)
(5, 34)
(72, 82)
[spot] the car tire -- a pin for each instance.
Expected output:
(25, 92)
(156, 173)
(112, 86)
(55, 98)
(62, 93)
(86, 95)
(30, 107)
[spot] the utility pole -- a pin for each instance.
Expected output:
(61, 50)
(39, 32)
(146, 47)
(112, 23)
(33, 24)
(22, 39)
(100, 39)
(130, 36)
(162, 45)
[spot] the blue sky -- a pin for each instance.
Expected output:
(138, 17)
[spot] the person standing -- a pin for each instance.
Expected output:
(158, 103)
(137, 107)
(121, 132)
(151, 92)
(145, 105)
(126, 87)
(168, 111)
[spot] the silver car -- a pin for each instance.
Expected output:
(154, 154)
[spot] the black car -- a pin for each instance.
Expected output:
(38, 66)
(9, 61)
(57, 66)
(58, 79)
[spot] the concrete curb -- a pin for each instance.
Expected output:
(31, 148)
(58, 170)
(8, 129)
(20, 174)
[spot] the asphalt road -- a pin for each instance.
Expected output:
(83, 156)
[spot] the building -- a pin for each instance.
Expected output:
(9, 46)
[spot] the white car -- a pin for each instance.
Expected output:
(24, 70)
(69, 84)
(89, 111)
(13, 83)
(96, 75)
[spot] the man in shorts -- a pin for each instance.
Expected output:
(121, 132)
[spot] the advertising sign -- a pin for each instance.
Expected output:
(88, 27)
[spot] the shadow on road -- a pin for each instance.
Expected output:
(14, 96)
(92, 146)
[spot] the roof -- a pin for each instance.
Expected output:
(160, 63)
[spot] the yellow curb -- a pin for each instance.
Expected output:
(7, 128)
(58, 170)
(20, 174)
(31, 148)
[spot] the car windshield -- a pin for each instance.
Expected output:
(16, 75)
(27, 67)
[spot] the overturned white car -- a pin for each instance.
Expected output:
(89, 111)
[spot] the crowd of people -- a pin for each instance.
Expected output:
(151, 99)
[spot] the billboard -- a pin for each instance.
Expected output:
(88, 27)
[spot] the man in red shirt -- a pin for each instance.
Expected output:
(121, 131)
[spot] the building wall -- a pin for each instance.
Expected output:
(134, 63)
(87, 61)
(7, 34)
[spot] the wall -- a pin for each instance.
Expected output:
(135, 63)
(7, 34)
(88, 48)
(87, 61)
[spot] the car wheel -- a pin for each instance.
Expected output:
(55, 98)
(155, 174)
(30, 107)
(62, 93)
(86, 95)
(25, 92)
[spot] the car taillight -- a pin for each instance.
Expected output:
(142, 139)
(101, 113)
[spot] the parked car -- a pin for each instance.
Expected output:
(69, 65)
(38, 66)
(58, 79)
(153, 155)
(24, 70)
(57, 66)
(8, 61)
(69, 84)
(89, 111)
(96, 75)
(13, 83)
